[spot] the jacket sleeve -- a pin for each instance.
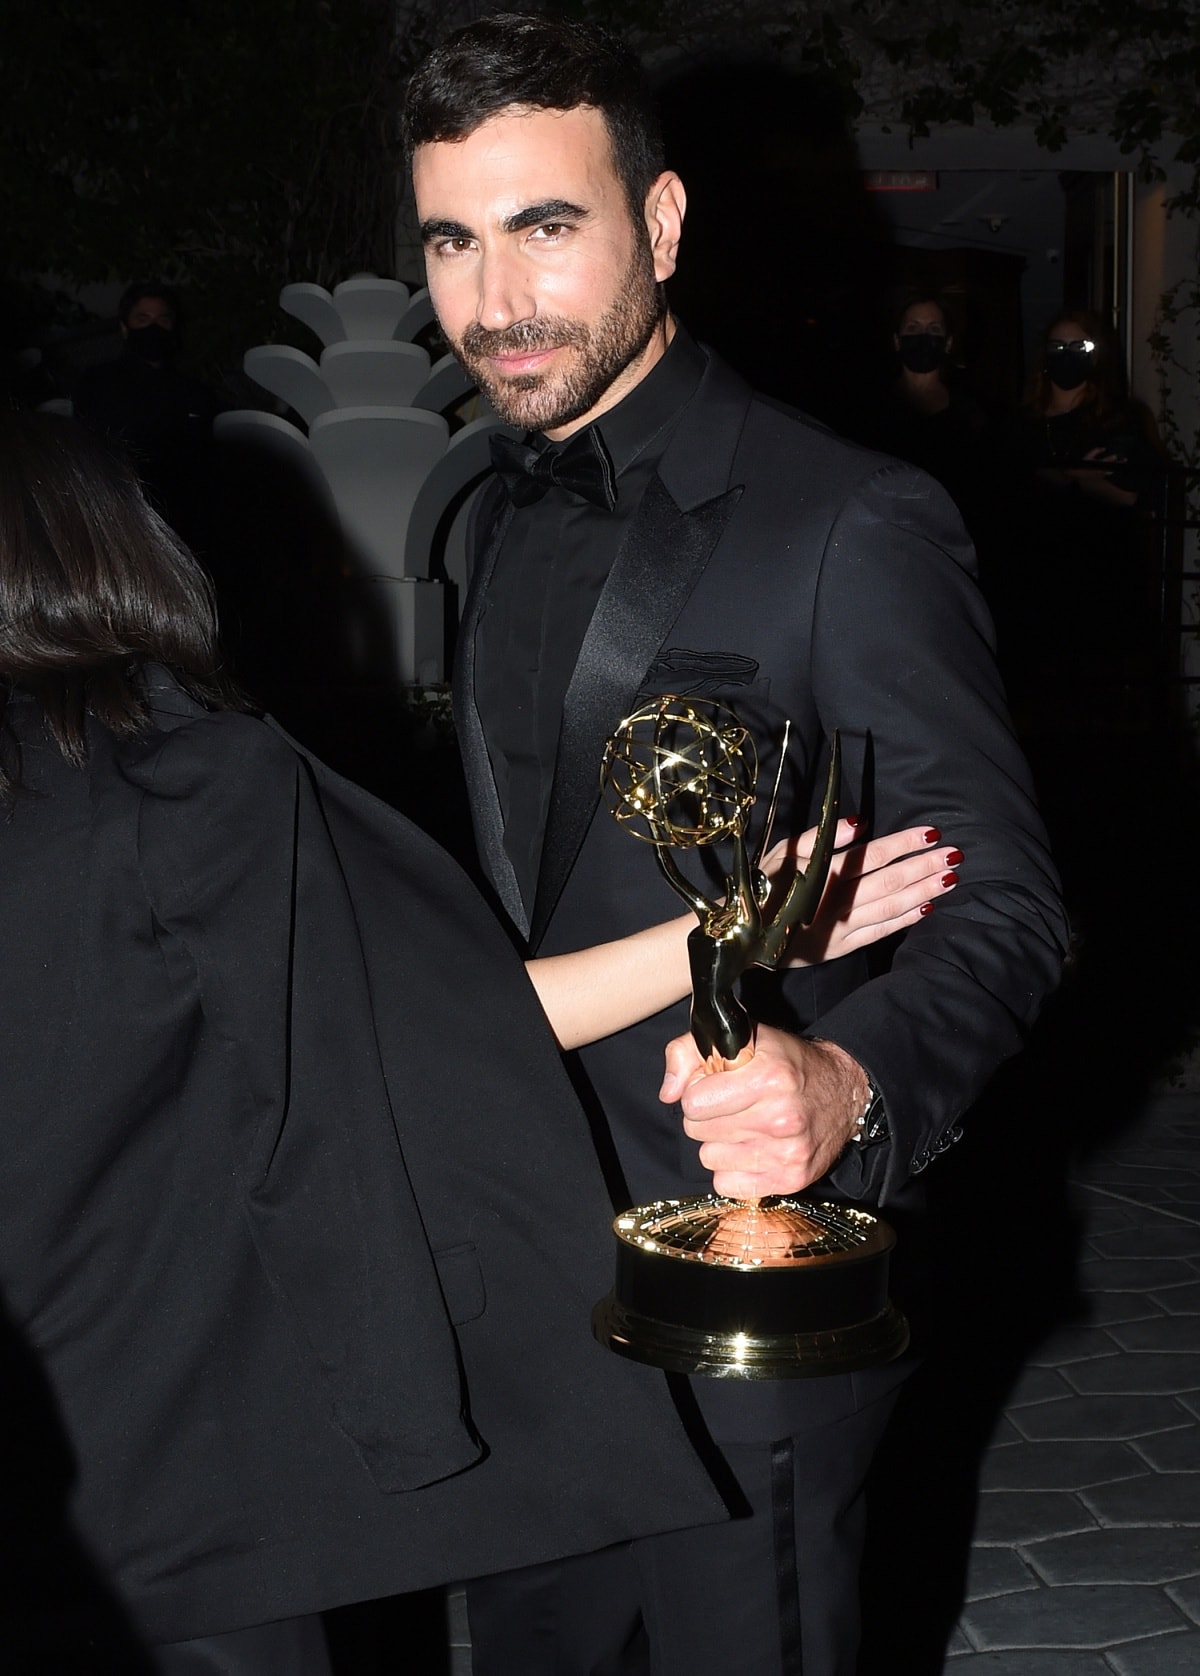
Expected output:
(251, 907)
(903, 664)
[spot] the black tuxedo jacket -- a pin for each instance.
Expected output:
(297, 1209)
(782, 570)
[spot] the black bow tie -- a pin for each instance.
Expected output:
(581, 466)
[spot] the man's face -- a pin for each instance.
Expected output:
(544, 284)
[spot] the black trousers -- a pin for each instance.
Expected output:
(772, 1593)
(292, 1647)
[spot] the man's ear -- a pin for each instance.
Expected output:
(666, 205)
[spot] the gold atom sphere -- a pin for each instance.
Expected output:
(680, 771)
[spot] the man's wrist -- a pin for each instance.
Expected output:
(871, 1126)
(868, 1123)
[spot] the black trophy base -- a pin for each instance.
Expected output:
(730, 1355)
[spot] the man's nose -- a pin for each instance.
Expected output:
(506, 295)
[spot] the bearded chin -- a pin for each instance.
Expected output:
(597, 355)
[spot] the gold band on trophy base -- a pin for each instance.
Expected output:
(788, 1287)
(785, 1289)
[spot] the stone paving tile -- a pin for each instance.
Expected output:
(1117, 1418)
(1116, 1171)
(1136, 1374)
(1168, 1332)
(1105, 1309)
(1191, 1402)
(1177, 1154)
(1162, 1498)
(1060, 1466)
(1169, 1200)
(957, 1644)
(1187, 1597)
(1160, 1238)
(1101, 1217)
(997, 1571)
(1172, 1451)
(1165, 1655)
(1084, 1615)
(1036, 1385)
(1018, 1516)
(1106, 1216)
(1116, 1556)
(1004, 1434)
(1031, 1663)
(1072, 1344)
(1180, 1300)
(1134, 1274)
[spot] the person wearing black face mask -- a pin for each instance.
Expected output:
(923, 341)
(1079, 432)
(159, 415)
(928, 416)
(1077, 624)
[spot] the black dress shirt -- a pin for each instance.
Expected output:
(549, 574)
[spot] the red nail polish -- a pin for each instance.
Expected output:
(925, 908)
(932, 836)
(854, 821)
(953, 857)
(949, 879)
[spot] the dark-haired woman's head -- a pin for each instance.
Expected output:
(1079, 354)
(922, 334)
(93, 584)
(149, 317)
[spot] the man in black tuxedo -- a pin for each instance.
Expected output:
(663, 529)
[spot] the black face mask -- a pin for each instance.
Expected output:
(922, 351)
(152, 343)
(1069, 368)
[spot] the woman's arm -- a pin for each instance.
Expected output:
(874, 890)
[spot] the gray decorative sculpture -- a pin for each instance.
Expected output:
(378, 441)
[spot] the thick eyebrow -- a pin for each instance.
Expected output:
(534, 215)
(550, 209)
(431, 230)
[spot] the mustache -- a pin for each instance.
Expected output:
(524, 337)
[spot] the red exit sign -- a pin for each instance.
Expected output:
(901, 180)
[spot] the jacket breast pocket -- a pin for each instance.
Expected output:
(730, 679)
(704, 674)
(461, 1280)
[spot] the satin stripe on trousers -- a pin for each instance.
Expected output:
(292, 1647)
(771, 1594)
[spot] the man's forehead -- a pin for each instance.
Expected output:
(519, 156)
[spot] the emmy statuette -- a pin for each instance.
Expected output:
(782, 1288)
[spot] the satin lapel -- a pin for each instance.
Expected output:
(477, 767)
(658, 565)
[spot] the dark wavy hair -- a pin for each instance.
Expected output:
(142, 288)
(542, 63)
(93, 584)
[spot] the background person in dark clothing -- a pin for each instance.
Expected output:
(161, 415)
(1074, 589)
(928, 415)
